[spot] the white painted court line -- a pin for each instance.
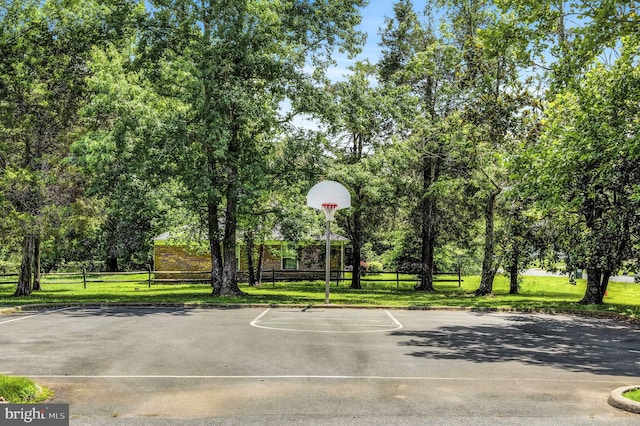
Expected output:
(281, 324)
(259, 317)
(399, 326)
(315, 377)
(37, 315)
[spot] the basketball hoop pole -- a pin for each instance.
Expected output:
(329, 211)
(327, 273)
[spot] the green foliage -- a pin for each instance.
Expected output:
(230, 65)
(374, 267)
(633, 394)
(9, 266)
(584, 169)
(44, 51)
(481, 127)
(21, 390)
(75, 266)
(123, 175)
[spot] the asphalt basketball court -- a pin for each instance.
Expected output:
(323, 365)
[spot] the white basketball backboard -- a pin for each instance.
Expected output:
(328, 192)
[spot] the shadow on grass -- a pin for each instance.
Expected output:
(598, 346)
(174, 295)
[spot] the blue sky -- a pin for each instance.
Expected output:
(373, 16)
(372, 20)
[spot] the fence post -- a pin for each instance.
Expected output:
(149, 270)
(459, 279)
(397, 279)
(84, 277)
(273, 277)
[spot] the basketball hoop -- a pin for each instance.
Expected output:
(329, 210)
(329, 196)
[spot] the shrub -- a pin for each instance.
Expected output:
(374, 267)
(9, 267)
(20, 390)
(76, 266)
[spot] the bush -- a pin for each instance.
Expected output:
(89, 265)
(20, 390)
(9, 267)
(374, 267)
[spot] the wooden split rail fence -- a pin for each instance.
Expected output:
(272, 276)
(399, 277)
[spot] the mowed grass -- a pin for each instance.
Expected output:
(549, 294)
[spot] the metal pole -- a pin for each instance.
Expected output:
(327, 273)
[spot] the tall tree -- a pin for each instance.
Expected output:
(413, 58)
(463, 85)
(134, 200)
(297, 162)
(231, 64)
(493, 98)
(358, 129)
(44, 48)
(568, 49)
(560, 38)
(584, 168)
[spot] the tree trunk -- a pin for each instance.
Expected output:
(214, 246)
(260, 262)
(513, 273)
(112, 263)
(597, 282)
(357, 246)
(250, 266)
(26, 267)
(489, 264)
(36, 261)
(597, 277)
(230, 266)
(428, 235)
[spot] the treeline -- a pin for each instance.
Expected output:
(488, 133)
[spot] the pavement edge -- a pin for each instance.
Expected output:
(616, 399)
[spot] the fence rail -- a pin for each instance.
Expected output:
(278, 275)
(83, 277)
(3, 276)
(272, 276)
(415, 278)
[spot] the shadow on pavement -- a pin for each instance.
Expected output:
(124, 312)
(597, 346)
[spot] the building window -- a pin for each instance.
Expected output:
(289, 257)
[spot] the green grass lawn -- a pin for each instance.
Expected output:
(552, 294)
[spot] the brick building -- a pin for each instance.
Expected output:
(282, 260)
